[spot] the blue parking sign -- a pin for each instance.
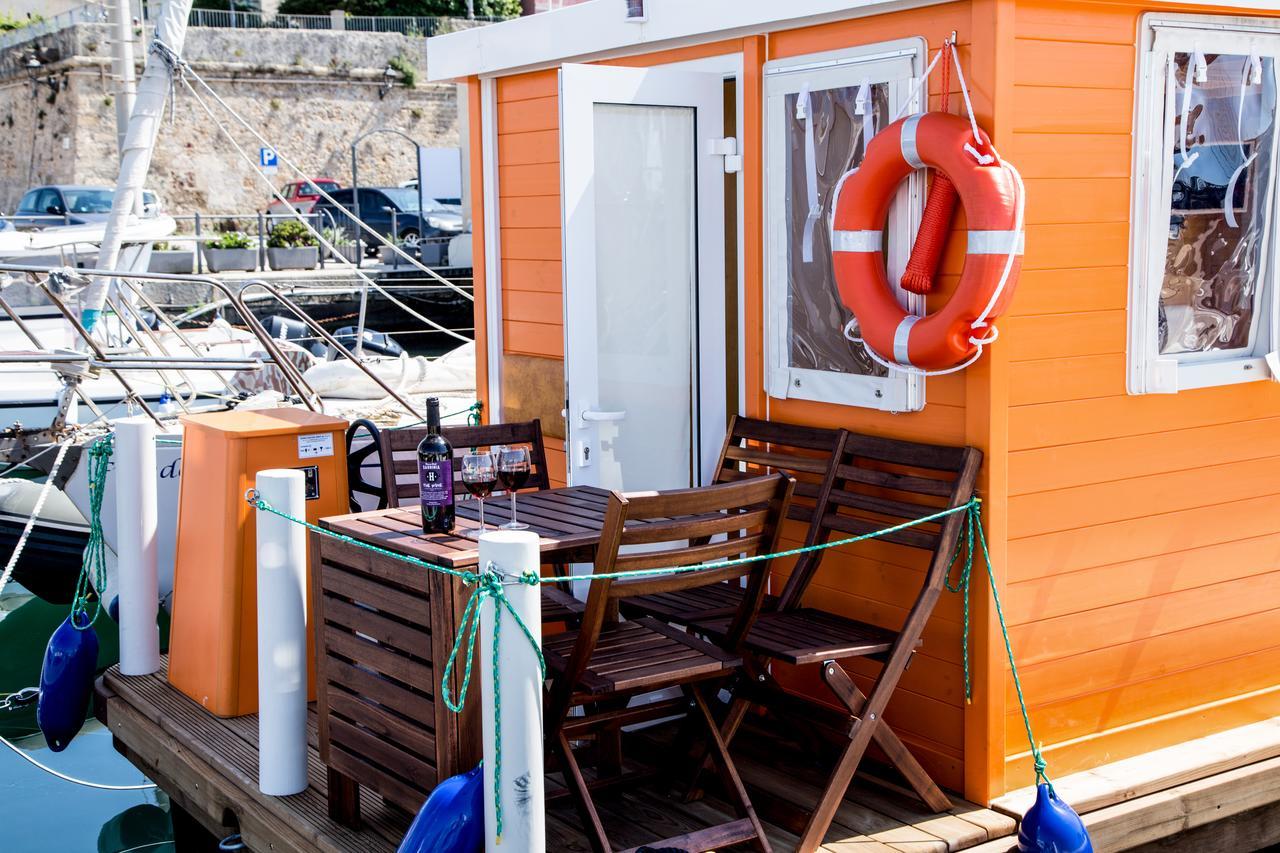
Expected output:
(268, 159)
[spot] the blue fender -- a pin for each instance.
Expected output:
(66, 681)
(452, 818)
(1052, 826)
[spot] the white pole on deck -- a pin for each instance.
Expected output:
(136, 531)
(514, 552)
(282, 635)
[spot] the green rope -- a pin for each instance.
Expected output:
(488, 585)
(472, 412)
(973, 522)
(93, 570)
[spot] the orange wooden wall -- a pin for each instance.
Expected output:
(1143, 532)
(1137, 539)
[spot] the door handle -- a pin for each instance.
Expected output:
(593, 416)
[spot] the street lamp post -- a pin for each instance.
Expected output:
(355, 210)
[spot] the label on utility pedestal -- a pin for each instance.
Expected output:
(316, 444)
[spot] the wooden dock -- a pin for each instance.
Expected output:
(209, 767)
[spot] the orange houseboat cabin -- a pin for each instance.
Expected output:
(651, 201)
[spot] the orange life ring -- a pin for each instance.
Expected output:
(990, 193)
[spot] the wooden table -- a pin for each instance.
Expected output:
(386, 627)
(568, 522)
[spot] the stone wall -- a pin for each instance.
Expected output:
(308, 92)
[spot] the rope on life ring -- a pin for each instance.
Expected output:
(952, 337)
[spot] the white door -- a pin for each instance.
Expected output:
(643, 190)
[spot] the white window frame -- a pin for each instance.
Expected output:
(1148, 371)
(899, 64)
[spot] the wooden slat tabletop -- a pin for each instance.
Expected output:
(567, 519)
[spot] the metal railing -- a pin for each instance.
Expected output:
(90, 13)
(424, 26)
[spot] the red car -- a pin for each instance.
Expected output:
(302, 195)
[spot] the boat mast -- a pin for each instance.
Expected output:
(122, 67)
(140, 140)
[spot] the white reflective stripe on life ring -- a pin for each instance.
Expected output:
(996, 242)
(909, 151)
(900, 336)
(857, 241)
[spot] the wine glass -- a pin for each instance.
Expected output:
(479, 475)
(513, 473)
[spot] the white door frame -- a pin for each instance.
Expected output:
(582, 86)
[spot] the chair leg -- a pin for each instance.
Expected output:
(854, 699)
(581, 793)
(728, 772)
(737, 712)
(825, 811)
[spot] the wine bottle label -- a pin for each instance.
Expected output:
(435, 483)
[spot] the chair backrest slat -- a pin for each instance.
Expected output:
(753, 447)
(399, 460)
(881, 482)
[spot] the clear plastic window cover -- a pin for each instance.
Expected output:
(1215, 260)
(816, 313)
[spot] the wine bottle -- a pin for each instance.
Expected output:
(435, 474)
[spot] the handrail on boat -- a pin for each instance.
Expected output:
(303, 390)
(314, 326)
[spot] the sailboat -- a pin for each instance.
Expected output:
(107, 350)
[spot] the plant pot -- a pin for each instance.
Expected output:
(348, 252)
(223, 260)
(172, 261)
(388, 256)
(295, 258)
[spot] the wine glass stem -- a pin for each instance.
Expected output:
(481, 515)
(514, 520)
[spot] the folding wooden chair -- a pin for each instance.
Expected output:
(398, 451)
(753, 447)
(878, 483)
(601, 665)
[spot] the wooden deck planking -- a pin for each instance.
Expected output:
(209, 766)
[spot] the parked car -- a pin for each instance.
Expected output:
(301, 195)
(447, 202)
(381, 207)
(71, 204)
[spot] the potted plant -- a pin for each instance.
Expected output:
(167, 259)
(343, 246)
(231, 250)
(290, 246)
(390, 256)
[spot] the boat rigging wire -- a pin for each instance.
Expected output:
(182, 70)
(370, 282)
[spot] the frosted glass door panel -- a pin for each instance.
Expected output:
(646, 281)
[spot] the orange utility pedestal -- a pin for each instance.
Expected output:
(213, 641)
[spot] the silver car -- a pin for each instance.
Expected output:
(71, 204)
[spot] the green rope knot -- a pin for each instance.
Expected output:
(489, 584)
(93, 567)
(973, 531)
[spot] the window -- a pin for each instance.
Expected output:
(821, 111)
(1203, 269)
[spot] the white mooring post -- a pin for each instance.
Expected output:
(513, 552)
(136, 526)
(282, 635)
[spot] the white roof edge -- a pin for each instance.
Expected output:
(599, 28)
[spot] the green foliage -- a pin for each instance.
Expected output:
(9, 22)
(225, 5)
(232, 240)
(408, 71)
(289, 234)
(413, 8)
(336, 237)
